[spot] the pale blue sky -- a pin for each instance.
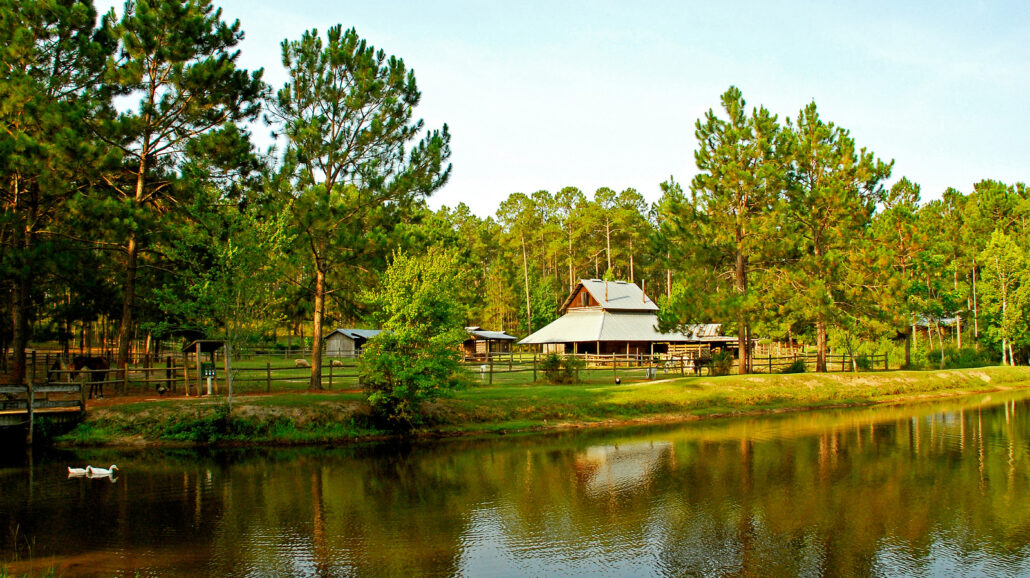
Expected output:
(540, 95)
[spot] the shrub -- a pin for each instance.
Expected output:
(864, 363)
(722, 361)
(955, 358)
(561, 369)
(797, 367)
(415, 359)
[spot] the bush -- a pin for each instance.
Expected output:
(797, 367)
(722, 361)
(864, 363)
(561, 369)
(955, 358)
(415, 358)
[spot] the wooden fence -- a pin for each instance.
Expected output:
(265, 374)
(647, 366)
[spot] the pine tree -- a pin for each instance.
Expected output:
(832, 192)
(346, 113)
(53, 56)
(176, 61)
(729, 224)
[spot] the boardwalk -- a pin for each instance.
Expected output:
(57, 400)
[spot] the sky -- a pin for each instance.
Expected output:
(543, 95)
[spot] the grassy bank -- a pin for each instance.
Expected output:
(334, 417)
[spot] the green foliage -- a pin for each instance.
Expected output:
(176, 70)
(729, 226)
(560, 369)
(722, 362)
(968, 357)
(416, 357)
(353, 168)
(863, 362)
(798, 366)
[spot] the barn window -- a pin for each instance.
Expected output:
(584, 299)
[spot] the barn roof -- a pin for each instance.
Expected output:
(614, 296)
(585, 325)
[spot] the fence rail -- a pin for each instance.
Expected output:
(268, 373)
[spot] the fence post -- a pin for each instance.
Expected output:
(330, 374)
(885, 362)
(82, 391)
(186, 373)
(615, 363)
(770, 363)
(146, 375)
(510, 355)
(33, 370)
(491, 360)
(681, 366)
(29, 403)
(268, 377)
(534, 367)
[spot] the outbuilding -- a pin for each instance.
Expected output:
(617, 317)
(346, 342)
(481, 341)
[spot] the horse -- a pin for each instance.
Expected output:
(97, 367)
(700, 363)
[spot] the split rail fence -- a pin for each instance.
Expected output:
(257, 373)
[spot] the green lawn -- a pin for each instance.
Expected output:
(512, 403)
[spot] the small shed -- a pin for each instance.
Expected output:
(346, 342)
(481, 341)
(198, 348)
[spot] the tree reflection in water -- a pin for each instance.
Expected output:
(923, 489)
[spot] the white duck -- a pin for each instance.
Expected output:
(101, 472)
(77, 472)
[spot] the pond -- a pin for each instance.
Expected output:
(927, 489)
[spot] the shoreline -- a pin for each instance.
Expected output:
(479, 412)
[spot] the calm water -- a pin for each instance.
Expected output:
(940, 489)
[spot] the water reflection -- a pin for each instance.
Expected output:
(909, 490)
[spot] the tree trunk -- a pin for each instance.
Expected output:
(131, 265)
(668, 276)
(740, 281)
(631, 278)
(820, 331)
(572, 277)
(316, 331)
(908, 350)
(525, 273)
(22, 289)
(608, 242)
(976, 323)
(20, 321)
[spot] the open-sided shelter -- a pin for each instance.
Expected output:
(481, 341)
(606, 317)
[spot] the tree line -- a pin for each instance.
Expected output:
(136, 207)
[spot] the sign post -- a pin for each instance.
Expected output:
(207, 370)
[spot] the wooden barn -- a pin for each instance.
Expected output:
(347, 342)
(481, 341)
(608, 317)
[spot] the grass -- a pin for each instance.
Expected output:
(515, 404)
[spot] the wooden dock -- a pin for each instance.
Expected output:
(63, 401)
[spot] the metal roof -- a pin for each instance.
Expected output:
(356, 333)
(614, 296)
(490, 335)
(580, 325)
